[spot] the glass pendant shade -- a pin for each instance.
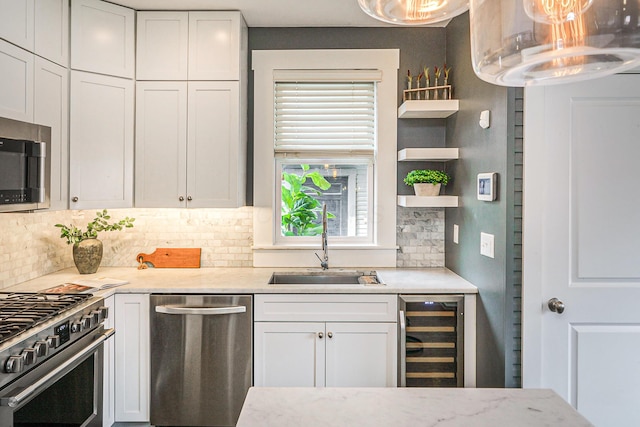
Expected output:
(413, 12)
(542, 42)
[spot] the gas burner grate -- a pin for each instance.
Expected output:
(22, 311)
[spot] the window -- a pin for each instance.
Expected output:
(325, 133)
(318, 126)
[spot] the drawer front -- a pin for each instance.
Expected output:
(326, 308)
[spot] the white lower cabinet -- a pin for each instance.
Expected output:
(325, 340)
(132, 358)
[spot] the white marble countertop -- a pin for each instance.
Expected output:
(253, 280)
(406, 407)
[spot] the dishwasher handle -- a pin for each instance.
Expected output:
(202, 311)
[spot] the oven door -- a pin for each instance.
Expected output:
(66, 391)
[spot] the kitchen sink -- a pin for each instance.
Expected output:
(326, 278)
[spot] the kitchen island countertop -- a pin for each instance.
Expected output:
(406, 407)
(252, 280)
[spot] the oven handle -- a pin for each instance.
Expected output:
(179, 309)
(53, 376)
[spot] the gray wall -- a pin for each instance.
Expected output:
(480, 151)
(418, 47)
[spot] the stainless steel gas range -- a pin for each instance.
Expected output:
(51, 359)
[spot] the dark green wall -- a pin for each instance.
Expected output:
(481, 150)
(418, 47)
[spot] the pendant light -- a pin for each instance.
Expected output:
(541, 42)
(413, 12)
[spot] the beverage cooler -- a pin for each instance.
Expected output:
(431, 341)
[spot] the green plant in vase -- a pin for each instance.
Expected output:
(426, 182)
(87, 249)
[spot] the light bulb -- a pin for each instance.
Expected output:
(555, 11)
(413, 12)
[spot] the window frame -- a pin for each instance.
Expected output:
(268, 66)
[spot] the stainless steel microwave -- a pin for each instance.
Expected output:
(25, 165)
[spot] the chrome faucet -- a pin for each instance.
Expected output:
(324, 261)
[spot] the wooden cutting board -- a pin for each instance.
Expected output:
(172, 258)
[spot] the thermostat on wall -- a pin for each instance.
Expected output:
(487, 186)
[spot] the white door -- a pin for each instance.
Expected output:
(289, 354)
(361, 354)
(582, 246)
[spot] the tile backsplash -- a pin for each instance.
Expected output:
(30, 245)
(420, 237)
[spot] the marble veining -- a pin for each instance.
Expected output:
(406, 407)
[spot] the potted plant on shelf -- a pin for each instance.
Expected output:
(87, 249)
(426, 182)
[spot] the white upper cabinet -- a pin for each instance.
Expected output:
(191, 46)
(192, 160)
(101, 141)
(51, 108)
(161, 144)
(102, 38)
(16, 83)
(162, 45)
(52, 30)
(16, 22)
(217, 45)
(215, 154)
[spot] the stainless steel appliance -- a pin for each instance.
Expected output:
(201, 358)
(51, 355)
(25, 165)
(431, 349)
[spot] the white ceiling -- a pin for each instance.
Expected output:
(273, 13)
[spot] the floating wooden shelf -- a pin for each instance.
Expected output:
(428, 109)
(428, 154)
(428, 201)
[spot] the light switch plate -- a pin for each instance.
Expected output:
(486, 245)
(456, 233)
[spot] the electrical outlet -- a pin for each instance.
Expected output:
(486, 245)
(456, 233)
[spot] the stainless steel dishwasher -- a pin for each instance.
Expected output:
(201, 358)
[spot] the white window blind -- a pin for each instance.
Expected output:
(319, 116)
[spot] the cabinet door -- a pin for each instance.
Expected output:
(288, 354)
(215, 45)
(162, 45)
(361, 354)
(51, 108)
(108, 381)
(16, 84)
(102, 38)
(161, 142)
(16, 22)
(101, 142)
(52, 30)
(215, 159)
(132, 358)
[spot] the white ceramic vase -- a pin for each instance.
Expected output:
(426, 189)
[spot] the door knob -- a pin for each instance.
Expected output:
(181, 198)
(189, 198)
(556, 305)
(320, 335)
